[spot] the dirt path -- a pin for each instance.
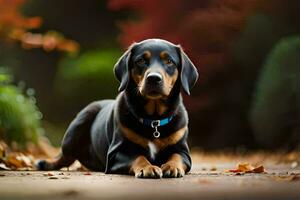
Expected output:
(206, 181)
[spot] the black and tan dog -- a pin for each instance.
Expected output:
(144, 131)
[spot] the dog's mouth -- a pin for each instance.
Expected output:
(153, 91)
(154, 95)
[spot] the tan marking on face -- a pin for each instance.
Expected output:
(163, 55)
(160, 143)
(137, 78)
(147, 55)
(169, 81)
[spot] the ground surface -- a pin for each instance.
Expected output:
(207, 180)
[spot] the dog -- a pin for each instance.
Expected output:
(143, 131)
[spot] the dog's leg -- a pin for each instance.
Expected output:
(62, 161)
(142, 168)
(174, 167)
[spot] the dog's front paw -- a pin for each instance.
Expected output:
(172, 170)
(150, 171)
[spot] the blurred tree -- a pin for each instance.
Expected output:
(86, 78)
(15, 27)
(206, 30)
(89, 23)
(274, 21)
(275, 110)
(228, 40)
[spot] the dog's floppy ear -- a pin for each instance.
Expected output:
(189, 74)
(121, 69)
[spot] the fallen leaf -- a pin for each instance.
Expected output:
(48, 174)
(247, 168)
(19, 161)
(259, 169)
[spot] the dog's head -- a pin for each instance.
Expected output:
(155, 66)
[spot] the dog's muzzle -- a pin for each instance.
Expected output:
(154, 78)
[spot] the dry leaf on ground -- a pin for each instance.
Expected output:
(13, 159)
(247, 168)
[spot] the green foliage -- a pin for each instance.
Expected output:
(276, 101)
(92, 64)
(19, 116)
(89, 76)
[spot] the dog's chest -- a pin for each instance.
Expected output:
(153, 149)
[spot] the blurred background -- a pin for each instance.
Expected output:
(57, 56)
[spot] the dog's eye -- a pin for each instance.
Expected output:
(169, 62)
(140, 61)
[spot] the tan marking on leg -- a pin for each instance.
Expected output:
(142, 168)
(174, 167)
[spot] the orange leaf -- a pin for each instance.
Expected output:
(247, 168)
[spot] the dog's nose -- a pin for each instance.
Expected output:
(154, 78)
